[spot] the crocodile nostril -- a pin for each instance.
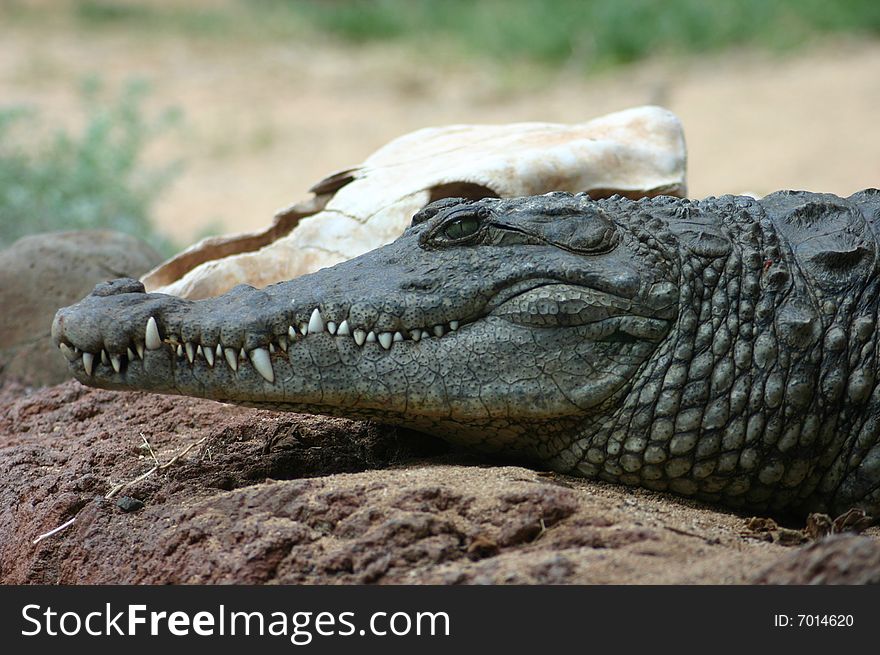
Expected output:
(120, 285)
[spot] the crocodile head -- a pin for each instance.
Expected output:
(487, 322)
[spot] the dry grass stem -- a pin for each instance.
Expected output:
(158, 467)
(54, 531)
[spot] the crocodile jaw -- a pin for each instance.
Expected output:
(451, 379)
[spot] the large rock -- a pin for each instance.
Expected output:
(636, 153)
(837, 559)
(39, 274)
(272, 497)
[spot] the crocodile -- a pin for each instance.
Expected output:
(724, 349)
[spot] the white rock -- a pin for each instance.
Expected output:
(636, 152)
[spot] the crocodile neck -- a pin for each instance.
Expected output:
(744, 404)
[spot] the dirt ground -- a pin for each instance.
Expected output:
(265, 121)
(249, 496)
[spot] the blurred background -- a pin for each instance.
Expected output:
(171, 119)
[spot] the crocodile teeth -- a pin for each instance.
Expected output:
(242, 354)
(190, 351)
(343, 330)
(331, 327)
(104, 359)
(359, 337)
(416, 334)
(209, 356)
(385, 339)
(261, 362)
(199, 350)
(219, 350)
(130, 353)
(152, 339)
(304, 328)
(179, 350)
(116, 363)
(291, 332)
(271, 348)
(453, 325)
(371, 337)
(438, 330)
(316, 322)
(88, 360)
(282, 341)
(398, 336)
(231, 358)
(140, 349)
(67, 352)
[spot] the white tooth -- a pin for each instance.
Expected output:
(130, 353)
(140, 349)
(104, 359)
(242, 354)
(415, 334)
(304, 328)
(209, 356)
(398, 336)
(316, 322)
(343, 329)
(291, 332)
(115, 362)
(272, 348)
(179, 350)
(190, 352)
(438, 330)
(153, 341)
(199, 350)
(88, 360)
(453, 325)
(282, 341)
(331, 327)
(231, 358)
(371, 337)
(67, 352)
(261, 362)
(219, 350)
(385, 339)
(359, 337)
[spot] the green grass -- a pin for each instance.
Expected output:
(586, 34)
(589, 33)
(91, 179)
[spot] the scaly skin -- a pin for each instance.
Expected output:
(724, 349)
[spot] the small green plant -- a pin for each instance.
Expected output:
(92, 179)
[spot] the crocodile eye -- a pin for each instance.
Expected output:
(461, 228)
